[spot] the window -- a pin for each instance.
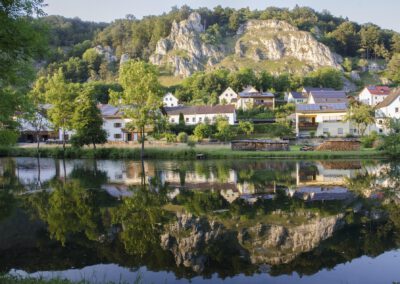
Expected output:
(200, 119)
(340, 131)
(325, 130)
(172, 120)
(380, 121)
(380, 130)
(117, 136)
(193, 119)
(396, 109)
(187, 119)
(117, 125)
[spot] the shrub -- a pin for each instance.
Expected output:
(191, 142)
(202, 131)
(182, 137)
(170, 137)
(369, 140)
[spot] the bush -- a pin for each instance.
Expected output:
(170, 137)
(273, 130)
(8, 137)
(182, 137)
(369, 140)
(202, 131)
(191, 142)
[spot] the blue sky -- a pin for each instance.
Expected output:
(383, 13)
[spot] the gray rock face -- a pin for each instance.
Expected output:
(188, 237)
(107, 52)
(124, 58)
(274, 244)
(184, 50)
(270, 40)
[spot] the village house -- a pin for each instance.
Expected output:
(322, 119)
(388, 108)
(229, 96)
(327, 97)
(373, 95)
(169, 100)
(250, 98)
(295, 97)
(193, 115)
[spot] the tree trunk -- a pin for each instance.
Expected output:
(142, 138)
(94, 146)
(63, 139)
(38, 142)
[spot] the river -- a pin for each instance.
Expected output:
(233, 221)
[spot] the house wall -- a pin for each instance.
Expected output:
(367, 98)
(331, 123)
(249, 103)
(193, 119)
(227, 96)
(170, 101)
(382, 115)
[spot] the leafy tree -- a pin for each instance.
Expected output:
(87, 121)
(202, 131)
(369, 35)
(61, 95)
(225, 131)
(395, 41)
(393, 68)
(346, 38)
(247, 127)
(348, 64)
(93, 59)
(391, 142)
(141, 96)
(22, 40)
(361, 115)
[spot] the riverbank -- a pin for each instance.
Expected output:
(181, 151)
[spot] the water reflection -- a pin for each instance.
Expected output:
(196, 218)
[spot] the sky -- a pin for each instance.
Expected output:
(383, 13)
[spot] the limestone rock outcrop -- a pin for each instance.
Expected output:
(257, 41)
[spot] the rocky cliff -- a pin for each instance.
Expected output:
(189, 237)
(260, 44)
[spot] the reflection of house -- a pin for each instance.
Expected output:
(314, 193)
(230, 195)
(200, 114)
(250, 98)
(315, 174)
(322, 119)
(229, 96)
(388, 108)
(373, 95)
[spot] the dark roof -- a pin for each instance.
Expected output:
(394, 94)
(108, 110)
(329, 96)
(186, 110)
(379, 90)
(297, 95)
(321, 107)
(313, 89)
(251, 92)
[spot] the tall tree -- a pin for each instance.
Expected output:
(87, 120)
(61, 96)
(141, 96)
(21, 41)
(361, 115)
(393, 68)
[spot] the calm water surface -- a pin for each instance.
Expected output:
(252, 221)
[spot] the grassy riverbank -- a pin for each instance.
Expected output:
(182, 152)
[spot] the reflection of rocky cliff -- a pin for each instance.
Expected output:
(189, 237)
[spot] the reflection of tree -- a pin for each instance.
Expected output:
(68, 210)
(7, 204)
(141, 218)
(199, 202)
(360, 182)
(89, 178)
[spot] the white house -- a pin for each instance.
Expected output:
(250, 97)
(295, 97)
(373, 95)
(325, 119)
(229, 96)
(169, 100)
(388, 108)
(198, 114)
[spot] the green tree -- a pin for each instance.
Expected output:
(61, 95)
(22, 40)
(391, 142)
(346, 38)
(348, 64)
(87, 121)
(141, 96)
(202, 131)
(93, 59)
(247, 127)
(361, 115)
(369, 35)
(225, 131)
(393, 68)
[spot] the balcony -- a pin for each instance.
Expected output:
(306, 125)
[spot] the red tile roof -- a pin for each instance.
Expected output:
(379, 90)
